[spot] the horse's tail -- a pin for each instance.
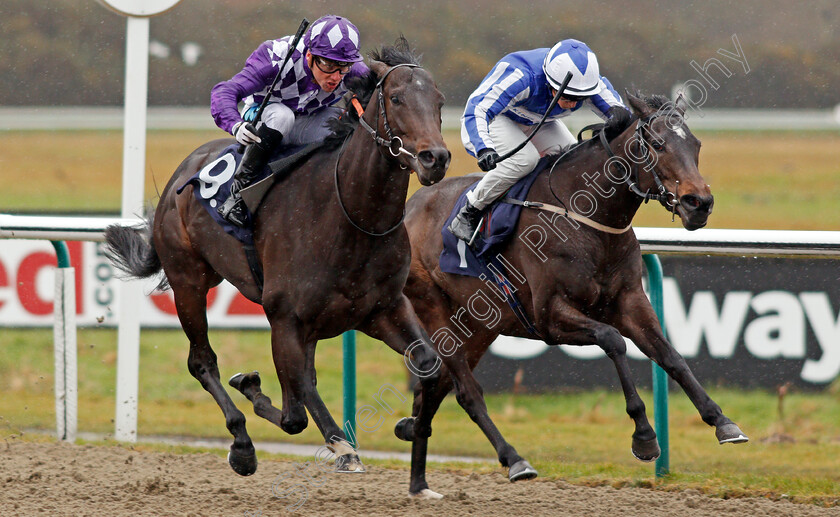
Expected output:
(131, 250)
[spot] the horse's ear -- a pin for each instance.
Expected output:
(640, 107)
(379, 68)
(680, 103)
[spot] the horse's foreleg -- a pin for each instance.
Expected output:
(571, 327)
(289, 361)
(638, 322)
(400, 329)
(191, 305)
(249, 384)
(470, 396)
(347, 460)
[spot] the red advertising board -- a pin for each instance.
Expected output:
(26, 291)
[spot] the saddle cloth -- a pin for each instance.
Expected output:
(212, 185)
(498, 225)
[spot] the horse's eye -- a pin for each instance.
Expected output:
(395, 99)
(657, 146)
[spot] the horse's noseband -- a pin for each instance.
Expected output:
(394, 144)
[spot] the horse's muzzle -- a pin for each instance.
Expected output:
(434, 163)
(694, 210)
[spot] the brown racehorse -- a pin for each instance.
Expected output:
(332, 245)
(580, 280)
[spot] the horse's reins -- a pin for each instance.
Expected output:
(631, 180)
(562, 210)
(394, 144)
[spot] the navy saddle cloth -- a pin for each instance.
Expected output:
(460, 259)
(212, 185)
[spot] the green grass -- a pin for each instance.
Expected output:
(582, 437)
(761, 180)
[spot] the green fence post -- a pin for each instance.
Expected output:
(349, 348)
(61, 253)
(660, 378)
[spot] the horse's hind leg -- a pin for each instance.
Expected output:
(249, 385)
(569, 326)
(639, 323)
(191, 304)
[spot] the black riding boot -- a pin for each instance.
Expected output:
(466, 222)
(234, 210)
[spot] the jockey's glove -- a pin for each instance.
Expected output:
(245, 133)
(487, 159)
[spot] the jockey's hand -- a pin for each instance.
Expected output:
(487, 159)
(245, 133)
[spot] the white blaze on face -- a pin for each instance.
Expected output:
(680, 132)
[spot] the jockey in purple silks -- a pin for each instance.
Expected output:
(301, 102)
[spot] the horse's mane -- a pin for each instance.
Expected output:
(619, 120)
(363, 88)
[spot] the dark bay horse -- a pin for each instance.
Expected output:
(333, 248)
(579, 280)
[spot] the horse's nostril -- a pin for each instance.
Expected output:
(690, 201)
(434, 157)
(694, 202)
(426, 158)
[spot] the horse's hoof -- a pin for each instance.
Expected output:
(405, 429)
(520, 471)
(240, 381)
(646, 450)
(730, 433)
(349, 464)
(242, 464)
(426, 494)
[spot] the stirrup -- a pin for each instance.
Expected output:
(234, 210)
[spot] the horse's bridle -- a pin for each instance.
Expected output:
(632, 179)
(393, 143)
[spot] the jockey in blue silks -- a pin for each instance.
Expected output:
(512, 98)
(301, 102)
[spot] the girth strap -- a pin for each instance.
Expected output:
(254, 265)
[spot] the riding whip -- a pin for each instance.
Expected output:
(299, 34)
(542, 121)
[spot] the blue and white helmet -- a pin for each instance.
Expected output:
(571, 55)
(333, 37)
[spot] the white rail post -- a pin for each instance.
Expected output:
(134, 166)
(137, 14)
(64, 347)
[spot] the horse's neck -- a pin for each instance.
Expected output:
(373, 188)
(584, 185)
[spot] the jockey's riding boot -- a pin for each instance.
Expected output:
(234, 210)
(466, 222)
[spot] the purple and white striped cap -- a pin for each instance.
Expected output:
(333, 37)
